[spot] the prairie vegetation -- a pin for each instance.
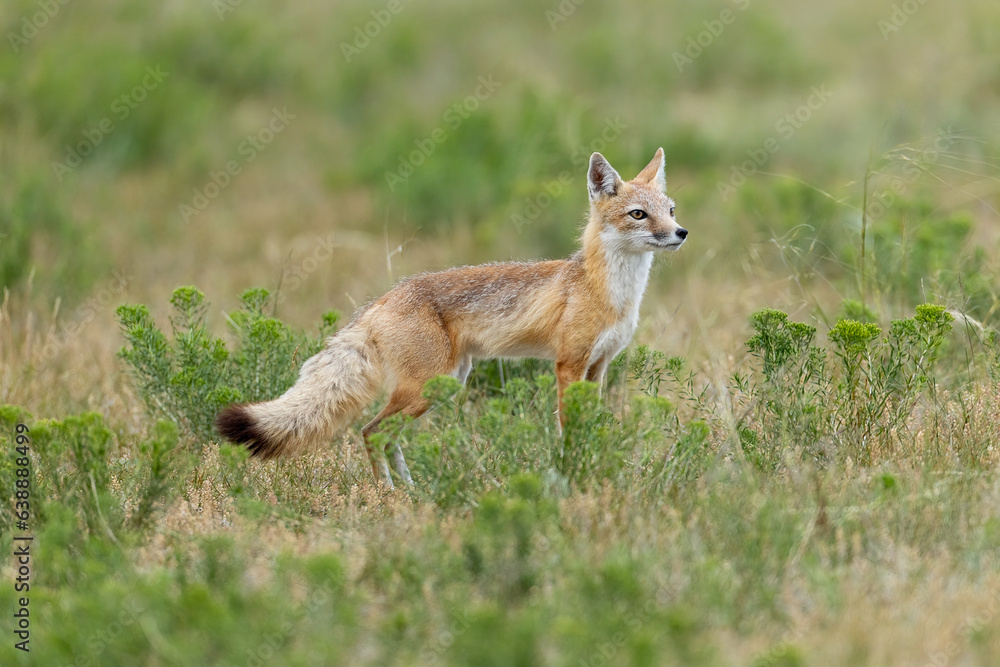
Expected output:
(794, 464)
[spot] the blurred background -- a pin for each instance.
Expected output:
(818, 153)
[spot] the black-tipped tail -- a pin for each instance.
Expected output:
(237, 424)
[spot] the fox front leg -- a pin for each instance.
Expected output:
(567, 372)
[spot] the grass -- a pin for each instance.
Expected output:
(793, 465)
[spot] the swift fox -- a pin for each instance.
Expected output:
(580, 311)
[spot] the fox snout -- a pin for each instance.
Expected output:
(670, 240)
(680, 233)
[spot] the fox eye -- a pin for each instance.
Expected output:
(638, 214)
(671, 211)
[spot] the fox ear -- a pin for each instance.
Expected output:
(653, 173)
(602, 179)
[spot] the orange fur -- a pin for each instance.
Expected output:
(580, 312)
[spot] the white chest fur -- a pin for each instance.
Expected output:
(628, 274)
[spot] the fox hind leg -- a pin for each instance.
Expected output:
(399, 463)
(596, 373)
(411, 403)
(380, 469)
(421, 349)
(461, 373)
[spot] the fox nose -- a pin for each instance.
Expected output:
(681, 233)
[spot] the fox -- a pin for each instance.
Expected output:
(579, 312)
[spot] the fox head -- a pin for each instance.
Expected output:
(635, 215)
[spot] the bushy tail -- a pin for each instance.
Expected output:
(333, 386)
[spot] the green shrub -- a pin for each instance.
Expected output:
(489, 377)
(503, 542)
(862, 401)
(595, 443)
(190, 378)
(73, 462)
(855, 310)
(882, 378)
(790, 393)
(470, 447)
